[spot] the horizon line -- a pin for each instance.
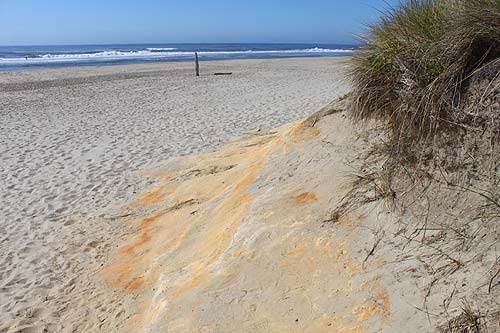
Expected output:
(172, 43)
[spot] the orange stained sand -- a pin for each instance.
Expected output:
(298, 134)
(379, 305)
(135, 284)
(301, 133)
(344, 219)
(187, 248)
(238, 253)
(177, 230)
(297, 252)
(352, 329)
(149, 220)
(152, 198)
(329, 248)
(306, 198)
(122, 276)
(227, 218)
(193, 283)
(144, 237)
(124, 273)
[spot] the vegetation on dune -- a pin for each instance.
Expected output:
(419, 61)
(430, 71)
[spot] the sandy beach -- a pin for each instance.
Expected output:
(250, 166)
(76, 144)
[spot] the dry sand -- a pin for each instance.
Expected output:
(106, 228)
(73, 142)
(239, 240)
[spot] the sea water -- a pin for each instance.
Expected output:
(25, 57)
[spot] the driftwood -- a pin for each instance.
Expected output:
(229, 73)
(197, 64)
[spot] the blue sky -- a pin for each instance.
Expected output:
(28, 22)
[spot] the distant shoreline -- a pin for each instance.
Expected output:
(100, 65)
(147, 65)
(29, 57)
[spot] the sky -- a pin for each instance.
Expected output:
(58, 22)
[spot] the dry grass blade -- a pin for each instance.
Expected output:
(417, 63)
(467, 322)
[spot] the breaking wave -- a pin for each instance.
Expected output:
(156, 54)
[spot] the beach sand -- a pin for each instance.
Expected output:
(76, 144)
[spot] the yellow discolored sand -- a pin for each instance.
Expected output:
(227, 246)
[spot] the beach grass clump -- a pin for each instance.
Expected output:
(429, 71)
(418, 62)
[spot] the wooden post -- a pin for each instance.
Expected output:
(197, 64)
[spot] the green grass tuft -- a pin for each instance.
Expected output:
(418, 61)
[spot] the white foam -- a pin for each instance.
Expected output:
(313, 50)
(149, 54)
(103, 54)
(161, 48)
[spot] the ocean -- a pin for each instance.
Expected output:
(26, 57)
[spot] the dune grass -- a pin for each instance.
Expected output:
(418, 62)
(430, 72)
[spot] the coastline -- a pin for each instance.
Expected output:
(8, 76)
(60, 56)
